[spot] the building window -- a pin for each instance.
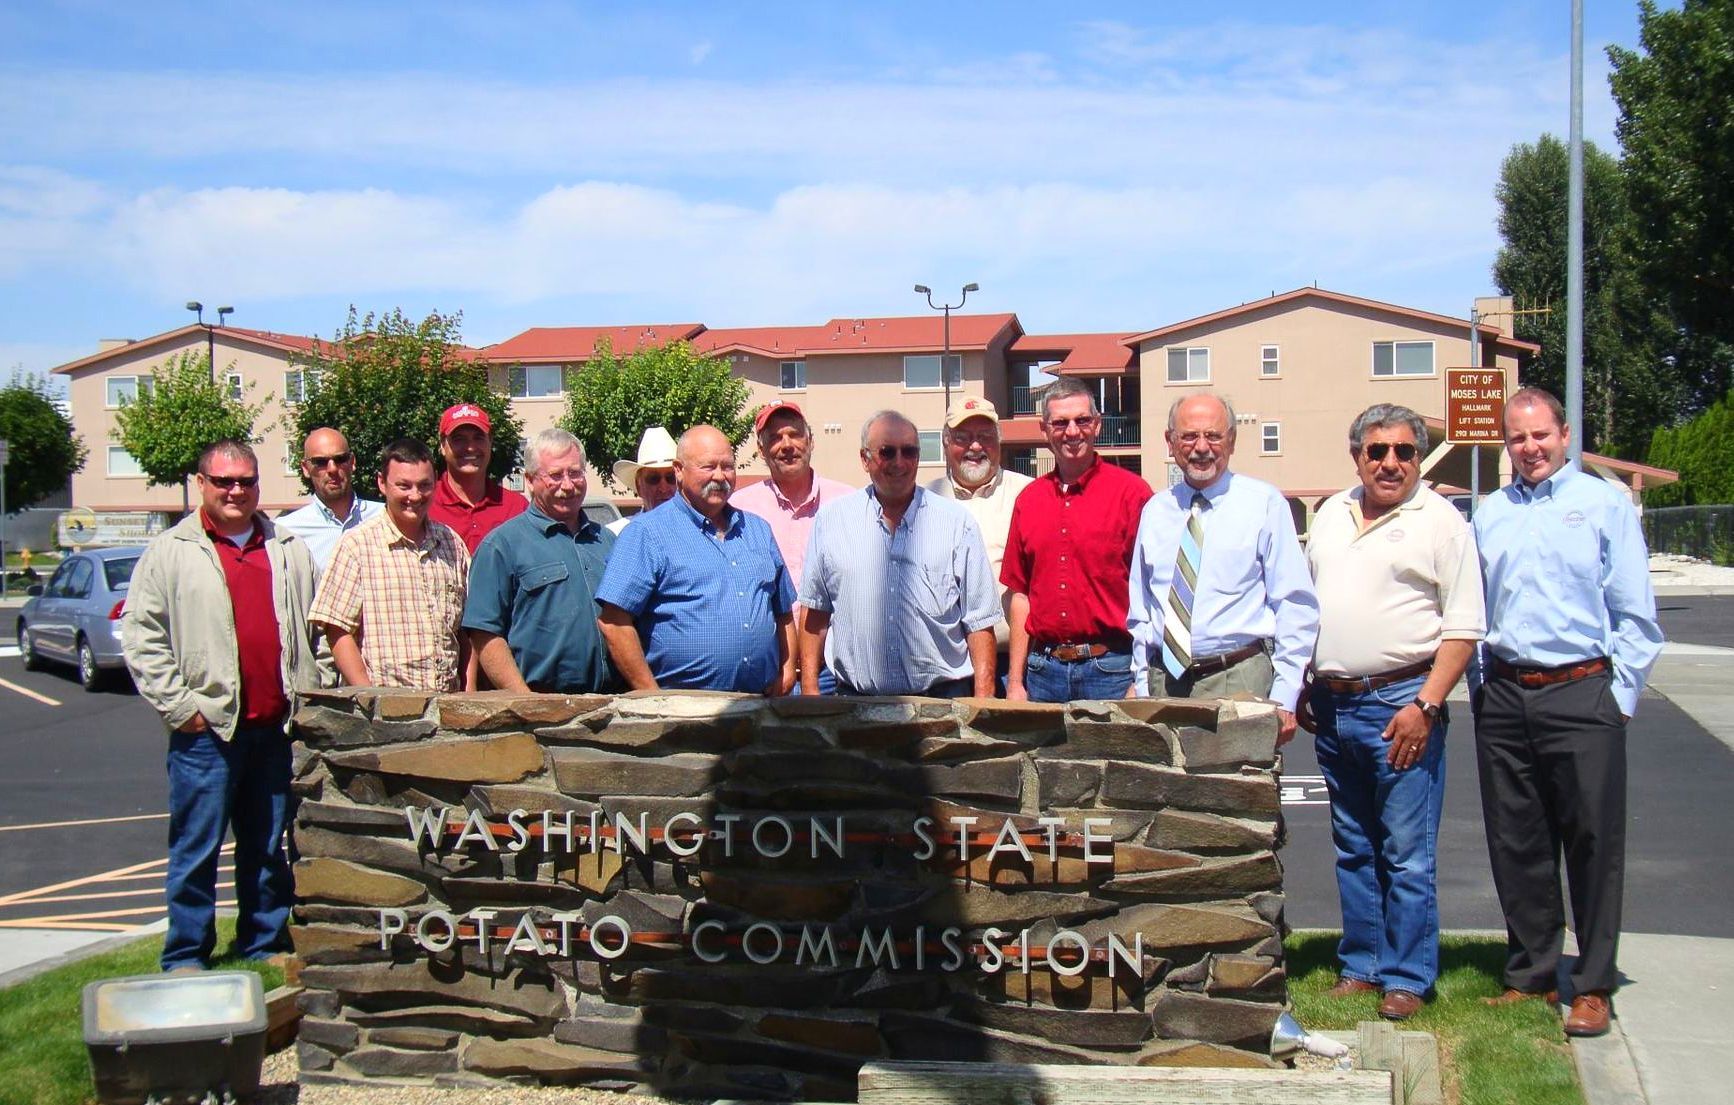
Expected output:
(297, 383)
(931, 450)
(794, 376)
(1270, 440)
(1402, 358)
(233, 387)
(1269, 360)
(923, 371)
(1175, 474)
(125, 389)
(514, 481)
(539, 381)
(291, 459)
(1189, 366)
(1130, 462)
(122, 463)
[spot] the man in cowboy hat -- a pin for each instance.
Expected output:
(651, 476)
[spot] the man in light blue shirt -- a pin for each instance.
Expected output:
(695, 594)
(898, 594)
(1247, 618)
(1571, 636)
(328, 465)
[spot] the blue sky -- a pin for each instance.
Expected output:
(1090, 166)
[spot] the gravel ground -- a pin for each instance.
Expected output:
(1667, 569)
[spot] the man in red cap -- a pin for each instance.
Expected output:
(791, 498)
(465, 499)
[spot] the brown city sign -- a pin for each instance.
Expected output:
(1474, 406)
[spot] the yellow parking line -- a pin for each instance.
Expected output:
(98, 926)
(85, 881)
(28, 693)
(86, 821)
(157, 892)
(28, 922)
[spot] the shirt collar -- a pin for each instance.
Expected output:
(879, 508)
(392, 536)
(548, 525)
(730, 519)
(958, 491)
(257, 536)
(331, 516)
(1548, 487)
(1184, 492)
(446, 494)
(1084, 480)
(790, 505)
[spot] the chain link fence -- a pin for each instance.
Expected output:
(1705, 532)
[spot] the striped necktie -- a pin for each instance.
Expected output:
(1177, 607)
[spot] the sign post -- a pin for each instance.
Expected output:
(1474, 416)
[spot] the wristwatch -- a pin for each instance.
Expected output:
(1431, 709)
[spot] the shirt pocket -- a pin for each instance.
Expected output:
(542, 576)
(936, 592)
(758, 571)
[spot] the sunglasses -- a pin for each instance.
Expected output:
(892, 452)
(1376, 451)
(1082, 422)
(338, 459)
(658, 477)
(227, 483)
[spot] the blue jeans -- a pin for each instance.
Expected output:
(1050, 680)
(1385, 825)
(244, 784)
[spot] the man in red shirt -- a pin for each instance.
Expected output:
(465, 499)
(1067, 559)
(218, 641)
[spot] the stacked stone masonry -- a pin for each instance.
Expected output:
(830, 915)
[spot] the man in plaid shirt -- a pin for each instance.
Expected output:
(392, 598)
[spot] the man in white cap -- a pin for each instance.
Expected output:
(651, 476)
(973, 477)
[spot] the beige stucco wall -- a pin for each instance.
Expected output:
(1326, 379)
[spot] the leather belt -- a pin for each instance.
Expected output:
(1547, 677)
(1073, 653)
(1343, 684)
(1210, 665)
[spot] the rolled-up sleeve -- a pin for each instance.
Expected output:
(1462, 603)
(818, 588)
(981, 607)
(492, 587)
(633, 568)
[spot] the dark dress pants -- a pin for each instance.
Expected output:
(1553, 781)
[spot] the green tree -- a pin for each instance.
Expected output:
(170, 423)
(1676, 131)
(1631, 384)
(384, 377)
(44, 450)
(611, 400)
(1699, 451)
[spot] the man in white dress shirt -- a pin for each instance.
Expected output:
(328, 464)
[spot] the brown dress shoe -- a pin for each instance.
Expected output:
(1399, 1005)
(1349, 987)
(1590, 1015)
(1513, 995)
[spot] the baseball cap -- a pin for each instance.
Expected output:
(968, 409)
(465, 414)
(764, 416)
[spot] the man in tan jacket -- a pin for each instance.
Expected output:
(218, 641)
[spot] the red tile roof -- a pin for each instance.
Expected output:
(577, 343)
(1079, 354)
(910, 334)
(289, 343)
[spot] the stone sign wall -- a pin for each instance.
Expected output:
(723, 896)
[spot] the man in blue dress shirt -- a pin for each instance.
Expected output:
(898, 580)
(532, 572)
(696, 594)
(1571, 637)
(1236, 610)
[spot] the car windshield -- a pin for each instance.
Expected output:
(119, 572)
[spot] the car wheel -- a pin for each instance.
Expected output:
(89, 674)
(27, 649)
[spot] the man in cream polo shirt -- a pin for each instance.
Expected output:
(974, 479)
(1400, 612)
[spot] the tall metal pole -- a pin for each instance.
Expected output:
(1574, 246)
(945, 359)
(1474, 450)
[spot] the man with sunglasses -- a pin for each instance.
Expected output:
(532, 573)
(1221, 601)
(218, 640)
(1571, 637)
(1067, 560)
(975, 481)
(789, 501)
(328, 466)
(897, 583)
(1400, 612)
(651, 477)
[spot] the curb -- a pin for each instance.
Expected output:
(1606, 1070)
(42, 966)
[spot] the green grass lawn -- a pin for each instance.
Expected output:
(1490, 1055)
(42, 1055)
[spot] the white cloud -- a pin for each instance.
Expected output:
(699, 51)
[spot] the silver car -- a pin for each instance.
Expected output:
(75, 617)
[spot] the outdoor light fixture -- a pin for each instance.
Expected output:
(223, 313)
(171, 1038)
(198, 308)
(945, 373)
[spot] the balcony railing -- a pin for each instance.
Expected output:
(1119, 429)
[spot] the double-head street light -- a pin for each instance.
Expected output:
(223, 313)
(944, 367)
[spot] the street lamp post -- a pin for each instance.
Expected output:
(944, 369)
(223, 313)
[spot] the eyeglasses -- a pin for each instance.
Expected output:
(657, 477)
(974, 437)
(555, 479)
(1377, 450)
(1193, 437)
(1082, 422)
(338, 459)
(892, 452)
(226, 483)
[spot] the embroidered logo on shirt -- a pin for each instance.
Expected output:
(1574, 519)
(1393, 535)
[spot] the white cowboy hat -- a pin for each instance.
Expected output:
(655, 450)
